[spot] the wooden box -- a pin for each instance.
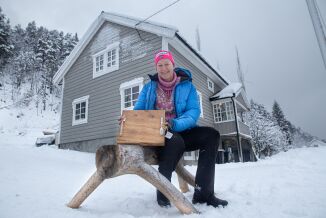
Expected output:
(142, 127)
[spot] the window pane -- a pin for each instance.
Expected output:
(127, 98)
(101, 62)
(77, 117)
(97, 63)
(77, 106)
(82, 116)
(135, 89)
(127, 104)
(224, 117)
(135, 96)
(127, 91)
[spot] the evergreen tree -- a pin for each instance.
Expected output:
(18, 38)
(285, 125)
(5, 46)
(32, 36)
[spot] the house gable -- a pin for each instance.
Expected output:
(127, 21)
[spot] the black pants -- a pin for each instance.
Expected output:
(206, 139)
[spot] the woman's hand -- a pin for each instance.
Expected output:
(121, 119)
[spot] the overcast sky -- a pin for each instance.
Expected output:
(275, 39)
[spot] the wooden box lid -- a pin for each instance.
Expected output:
(142, 127)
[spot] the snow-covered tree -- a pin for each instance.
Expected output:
(5, 45)
(283, 123)
(301, 138)
(35, 57)
(32, 36)
(268, 138)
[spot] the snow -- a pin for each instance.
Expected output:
(228, 91)
(38, 181)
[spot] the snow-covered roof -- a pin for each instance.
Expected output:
(167, 32)
(148, 26)
(231, 90)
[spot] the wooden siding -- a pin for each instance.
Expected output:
(200, 82)
(244, 128)
(226, 128)
(136, 60)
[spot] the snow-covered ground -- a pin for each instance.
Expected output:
(37, 182)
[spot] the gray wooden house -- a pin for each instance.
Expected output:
(107, 69)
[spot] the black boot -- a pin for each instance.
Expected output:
(210, 200)
(162, 200)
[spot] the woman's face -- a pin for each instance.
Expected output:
(164, 68)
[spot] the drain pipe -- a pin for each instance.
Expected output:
(237, 128)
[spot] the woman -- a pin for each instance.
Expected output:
(171, 90)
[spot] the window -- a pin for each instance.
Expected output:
(200, 99)
(99, 63)
(106, 61)
(129, 92)
(223, 112)
(131, 96)
(210, 84)
(80, 110)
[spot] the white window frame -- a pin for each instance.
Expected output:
(106, 69)
(129, 84)
(200, 103)
(230, 114)
(211, 88)
(74, 103)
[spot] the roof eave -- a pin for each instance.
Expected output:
(152, 27)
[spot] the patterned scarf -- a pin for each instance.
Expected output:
(164, 96)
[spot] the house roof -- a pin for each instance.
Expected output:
(168, 32)
(232, 90)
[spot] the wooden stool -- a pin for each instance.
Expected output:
(117, 160)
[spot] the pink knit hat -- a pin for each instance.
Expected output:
(163, 55)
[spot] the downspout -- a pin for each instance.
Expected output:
(237, 128)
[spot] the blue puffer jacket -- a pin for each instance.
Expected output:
(185, 100)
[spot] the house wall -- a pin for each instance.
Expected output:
(226, 127)
(136, 60)
(200, 82)
(244, 128)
